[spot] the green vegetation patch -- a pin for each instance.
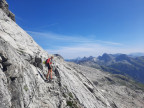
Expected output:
(26, 88)
(70, 94)
(69, 103)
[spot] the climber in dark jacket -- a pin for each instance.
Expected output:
(49, 62)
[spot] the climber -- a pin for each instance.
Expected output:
(48, 63)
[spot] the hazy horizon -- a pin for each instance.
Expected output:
(136, 54)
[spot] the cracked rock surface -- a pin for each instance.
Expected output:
(22, 78)
(4, 7)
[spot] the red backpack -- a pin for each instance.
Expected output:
(48, 61)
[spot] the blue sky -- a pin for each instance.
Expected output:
(75, 28)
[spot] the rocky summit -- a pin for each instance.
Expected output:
(22, 77)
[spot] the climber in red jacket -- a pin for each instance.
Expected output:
(49, 62)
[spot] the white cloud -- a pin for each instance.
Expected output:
(19, 18)
(91, 50)
(81, 46)
(45, 26)
(72, 39)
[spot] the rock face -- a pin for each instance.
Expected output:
(116, 90)
(22, 78)
(4, 7)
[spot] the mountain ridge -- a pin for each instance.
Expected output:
(22, 78)
(118, 64)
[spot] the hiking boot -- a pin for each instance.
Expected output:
(51, 79)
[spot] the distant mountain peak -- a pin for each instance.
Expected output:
(106, 57)
(122, 57)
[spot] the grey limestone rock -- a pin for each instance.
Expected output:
(23, 85)
(58, 55)
(5, 64)
(38, 60)
(4, 7)
(0, 59)
(1, 66)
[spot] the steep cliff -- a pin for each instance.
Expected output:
(4, 7)
(22, 76)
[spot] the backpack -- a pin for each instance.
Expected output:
(47, 61)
